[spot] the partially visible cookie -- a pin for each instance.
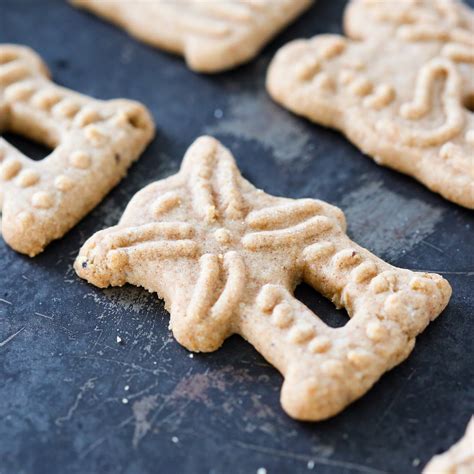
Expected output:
(94, 143)
(212, 35)
(400, 86)
(226, 258)
(458, 460)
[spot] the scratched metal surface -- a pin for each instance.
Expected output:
(63, 377)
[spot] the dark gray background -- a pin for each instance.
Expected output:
(63, 376)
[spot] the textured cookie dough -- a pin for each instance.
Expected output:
(400, 86)
(226, 258)
(94, 143)
(458, 460)
(212, 35)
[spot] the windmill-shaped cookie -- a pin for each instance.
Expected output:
(400, 86)
(226, 258)
(94, 143)
(211, 35)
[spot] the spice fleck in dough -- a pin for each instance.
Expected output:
(226, 258)
(400, 86)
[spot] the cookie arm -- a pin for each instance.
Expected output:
(325, 368)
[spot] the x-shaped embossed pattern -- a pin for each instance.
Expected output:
(94, 143)
(400, 87)
(226, 258)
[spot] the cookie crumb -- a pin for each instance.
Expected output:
(120, 340)
(191, 356)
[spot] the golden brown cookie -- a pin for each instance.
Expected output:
(400, 86)
(459, 459)
(94, 143)
(226, 258)
(211, 35)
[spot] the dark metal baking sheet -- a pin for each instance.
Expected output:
(63, 377)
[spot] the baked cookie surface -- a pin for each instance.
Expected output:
(400, 86)
(94, 142)
(459, 459)
(226, 258)
(212, 35)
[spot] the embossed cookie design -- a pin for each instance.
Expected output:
(212, 35)
(226, 258)
(400, 86)
(94, 143)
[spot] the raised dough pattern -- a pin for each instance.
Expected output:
(399, 86)
(220, 275)
(59, 190)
